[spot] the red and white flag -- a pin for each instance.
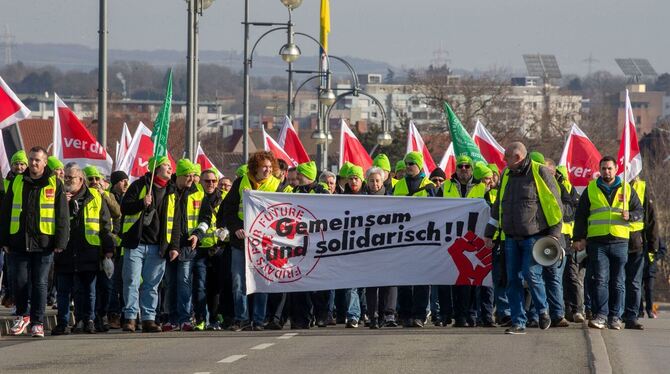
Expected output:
(490, 149)
(123, 144)
(270, 145)
(4, 161)
(415, 144)
(136, 161)
(629, 157)
(448, 162)
(351, 149)
(581, 157)
(204, 161)
(72, 142)
(289, 141)
(12, 109)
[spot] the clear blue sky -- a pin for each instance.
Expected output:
(476, 33)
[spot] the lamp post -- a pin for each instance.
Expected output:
(102, 75)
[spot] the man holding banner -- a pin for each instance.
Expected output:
(527, 209)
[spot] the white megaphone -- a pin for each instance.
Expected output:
(547, 251)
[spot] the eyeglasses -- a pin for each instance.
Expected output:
(209, 180)
(438, 180)
(94, 179)
(464, 166)
(410, 163)
(70, 177)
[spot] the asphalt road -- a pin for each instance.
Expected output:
(338, 350)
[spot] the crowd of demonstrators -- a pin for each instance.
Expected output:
(164, 253)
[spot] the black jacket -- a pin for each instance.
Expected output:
(647, 239)
(80, 256)
(181, 216)
(152, 232)
(28, 238)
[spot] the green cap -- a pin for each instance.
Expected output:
(242, 170)
(563, 170)
(54, 163)
(416, 158)
(344, 170)
(20, 156)
(155, 163)
(537, 157)
(92, 171)
(198, 169)
(494, 168)
(481, 171)
(355, 171)
(463, 159)
(185, 167)
(400, 165)
(308, 169)
(382, 162)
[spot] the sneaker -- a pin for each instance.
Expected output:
(545, 321)
(256, 327)
(200, 326)
(615, 324)
(89, 327)
(460, 323)
(390, 322)
(505, 321)
(589, 314)
(275, 325)
(515, 330)
(331, 321)
(60, 329)
(216, 326)
(533, 324)
(186, 326)
(652, 315)
(321, 323)
(352, 324)
(374, 324)
(597, 323)
(37, 330)
(560, 322)
(167, 327)
(634, 325)
(578, 318)
(487, 323)
(20, 325)
(238, 326)
(417, 322)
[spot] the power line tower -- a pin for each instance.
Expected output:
(440, 57)
(590, 61)
(7, 43)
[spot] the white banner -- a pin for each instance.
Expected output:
(310, 242)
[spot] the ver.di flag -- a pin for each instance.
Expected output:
(12, 109)
(270, 145)
(581, 157)
(136, 162)
(72, 142)
(448, 162)
(351, 149)
(290, 142)
(629, 157)
(415, 144)
(123, 144)
(204, 161)
(489, 148)
(463, 143)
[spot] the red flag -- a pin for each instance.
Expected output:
(73, 142)
(271, 145)
(123, 144)
(136, 162)
(581, 158)
(4, 161)
(448, 163)
(12, 109)
(415, 144)
(492, 151)
(204, 161)
(351, 149)
(629, 157)
(289, 141)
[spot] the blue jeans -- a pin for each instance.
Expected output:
(80, 286)
(634, 271)
(199, 271)
(607, 262)
(237, 268)
(178, 291)
(31, 276)
(353, 304)
(520, 262)
(553, 279)
(143, 269)
(116, 299)
(499, 290)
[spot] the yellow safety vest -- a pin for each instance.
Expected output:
(603, 218)
(131, 219)
(193, 207)
(288, 189)
(47, 221)
(270, 185)
(640, 188)
(210, 239)
(92, 218)
(401, 188)
(493, 195)
(568, 226)
(451, 189)
(550, 208)
(393, 182)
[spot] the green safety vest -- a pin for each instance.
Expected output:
(47, 221)
(568, 227)
(451, 189)
(131, 219)
(401, 188)
(550, 208)
(640, 188)
(92, 218)
(269, 185)
(603, 218)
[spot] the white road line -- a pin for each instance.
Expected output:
(288, 335)
(262, 346)
(231, 359)
(203, 372)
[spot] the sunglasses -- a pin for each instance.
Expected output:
(410, 163)
(94, 179)
(209, 180)
(464, 166)
(438, 180)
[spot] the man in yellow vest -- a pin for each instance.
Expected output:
(259, 177)
(527, 208)
(412, 300)
(77, 268)
(34, 223)
(602, 228)
(643, 240)
(148, 209)
(179, 271)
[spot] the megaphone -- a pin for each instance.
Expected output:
(548, 251)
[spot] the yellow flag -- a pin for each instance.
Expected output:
(325, 24)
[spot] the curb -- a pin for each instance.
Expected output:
(599, 361)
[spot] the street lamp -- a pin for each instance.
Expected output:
(291, 4)
(327, 97)
(384, 138)
(289, 52)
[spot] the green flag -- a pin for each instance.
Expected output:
(159, 135)
(463, 143)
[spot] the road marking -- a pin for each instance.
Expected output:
(231, 359)
(262, 346)
(203, 372)
(288, 335)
